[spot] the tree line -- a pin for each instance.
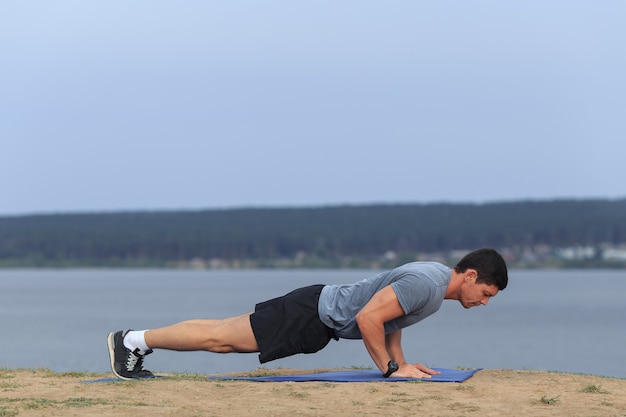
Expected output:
(334, 232)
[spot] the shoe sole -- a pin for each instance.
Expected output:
(111, 343)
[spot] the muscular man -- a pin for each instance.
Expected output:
(375, 310)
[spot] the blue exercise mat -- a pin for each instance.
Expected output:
(446, 375)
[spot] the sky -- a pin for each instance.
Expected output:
(188, 105)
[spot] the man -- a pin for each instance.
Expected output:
(375, 310)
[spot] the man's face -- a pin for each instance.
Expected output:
(473, 294)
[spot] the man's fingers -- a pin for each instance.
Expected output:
(409, 371)
(426, 370)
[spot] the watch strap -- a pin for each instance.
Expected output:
(392, 367)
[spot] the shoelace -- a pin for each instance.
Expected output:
(134, 361)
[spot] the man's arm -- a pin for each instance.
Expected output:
(394, 347)
(384, 307)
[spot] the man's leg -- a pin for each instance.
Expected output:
(127, 349)
(233, 334)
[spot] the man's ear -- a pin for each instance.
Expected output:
(471, 275)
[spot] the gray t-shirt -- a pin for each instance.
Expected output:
(419, 286)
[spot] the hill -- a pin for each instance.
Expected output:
(562, 233)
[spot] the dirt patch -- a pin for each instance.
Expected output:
(487, 393)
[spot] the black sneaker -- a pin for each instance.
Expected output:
(124, 363)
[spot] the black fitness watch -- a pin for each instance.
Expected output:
(392, 367)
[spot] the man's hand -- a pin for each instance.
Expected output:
(417, 370)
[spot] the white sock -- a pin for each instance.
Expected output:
(135, 340)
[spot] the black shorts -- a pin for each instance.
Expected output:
(290, 324)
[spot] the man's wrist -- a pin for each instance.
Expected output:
(392, 367)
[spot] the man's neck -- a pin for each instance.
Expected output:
(452, 293)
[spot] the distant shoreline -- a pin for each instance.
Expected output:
(280, 264)
(529, 234)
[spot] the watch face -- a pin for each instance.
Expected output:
(392, 367)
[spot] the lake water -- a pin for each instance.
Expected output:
(570, 321)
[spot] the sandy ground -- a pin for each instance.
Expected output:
(487, 393)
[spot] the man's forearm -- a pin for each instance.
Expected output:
(373, 335)
(394, 346)
(382, 308)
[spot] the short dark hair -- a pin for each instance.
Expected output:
(489, 264)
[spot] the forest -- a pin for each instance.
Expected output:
(328, 236)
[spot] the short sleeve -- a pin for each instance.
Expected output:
(413, 292)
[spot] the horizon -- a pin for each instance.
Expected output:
(313, 207)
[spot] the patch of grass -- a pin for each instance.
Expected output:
(298, 394)
(593, 389)
(400, 397)
(8, 386)
(462, 387)
(549, 400)
(38, 403)
(7, 412)
(45, 371)
(260, 372)
(43, 403)
(77, 402)
(385, 403)
(432, 397)
(140, 404)
(84, 402)
(83, 375)
(463, 407)
(189, 377)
